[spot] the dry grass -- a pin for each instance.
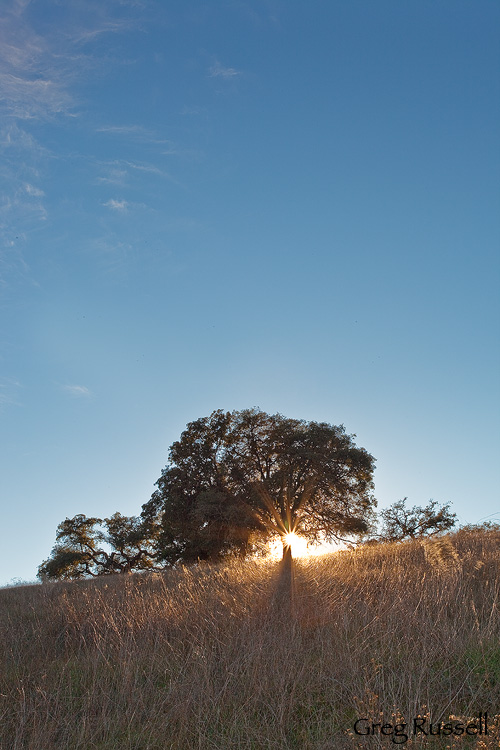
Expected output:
(217, 657)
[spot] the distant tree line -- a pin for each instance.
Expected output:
(233, 481)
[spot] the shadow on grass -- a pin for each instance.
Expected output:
(282, 599)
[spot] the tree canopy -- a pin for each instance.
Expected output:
(236, 477)
(400, 522)
(95, 546)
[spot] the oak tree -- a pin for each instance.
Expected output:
(234, 478)
(401, 522)
(89, 547)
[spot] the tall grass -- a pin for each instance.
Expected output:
(248, 655)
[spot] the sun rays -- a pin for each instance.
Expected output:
(298, 544)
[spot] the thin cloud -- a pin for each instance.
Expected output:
(37, 76)
(122, 174)
(195, 111)
(33, 80)
(107, 27)
(122, 129)
(219, 71)
(152, 169)
(112, 256)
(114, 205)
(8, 392)
(37, 72)
(16, 140)
(34, 191)
(21, 199)
(38, 69)
(118, 170)
(133, 3)
(117, 165)
(77, 391)
(37, 98)
(41, 68)
(114, 177)
(27, 201)
(134, 132)
(143, 167)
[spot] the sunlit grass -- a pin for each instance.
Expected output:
(208, 656)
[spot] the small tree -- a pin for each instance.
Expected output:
(400, 522)
(89, 547)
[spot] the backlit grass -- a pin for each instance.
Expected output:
(242, 656)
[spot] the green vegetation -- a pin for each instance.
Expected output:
(80, 550)
(238, 478)
(400, 522)
(238, 655)
(234, 481)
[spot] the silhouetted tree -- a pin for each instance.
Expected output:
(94, 546)
(400, 522)
(235, 477)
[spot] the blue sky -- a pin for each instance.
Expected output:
(231, 204)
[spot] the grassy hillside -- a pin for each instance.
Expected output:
(220, 657)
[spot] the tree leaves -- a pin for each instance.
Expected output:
(235, 477)
(400, 522)
(94, 546)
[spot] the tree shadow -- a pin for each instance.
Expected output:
(282, 602)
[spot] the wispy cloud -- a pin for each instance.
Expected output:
(41, 66)
(135, 132)
(121, 166)
(141, 167)
(34, 191)
(77, 391)
(220, 71)
(38, 70)
(21, 197)
(105, 27)
(35, 98)
(114, 176)
(114, 205)
(122, 129)
(119, 172)
(194, 111)
(13, 136)
(133, 3)
(112, 256)
(31, 87)
(33, 80)
(9, 388)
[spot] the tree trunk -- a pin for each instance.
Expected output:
(284, 593)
